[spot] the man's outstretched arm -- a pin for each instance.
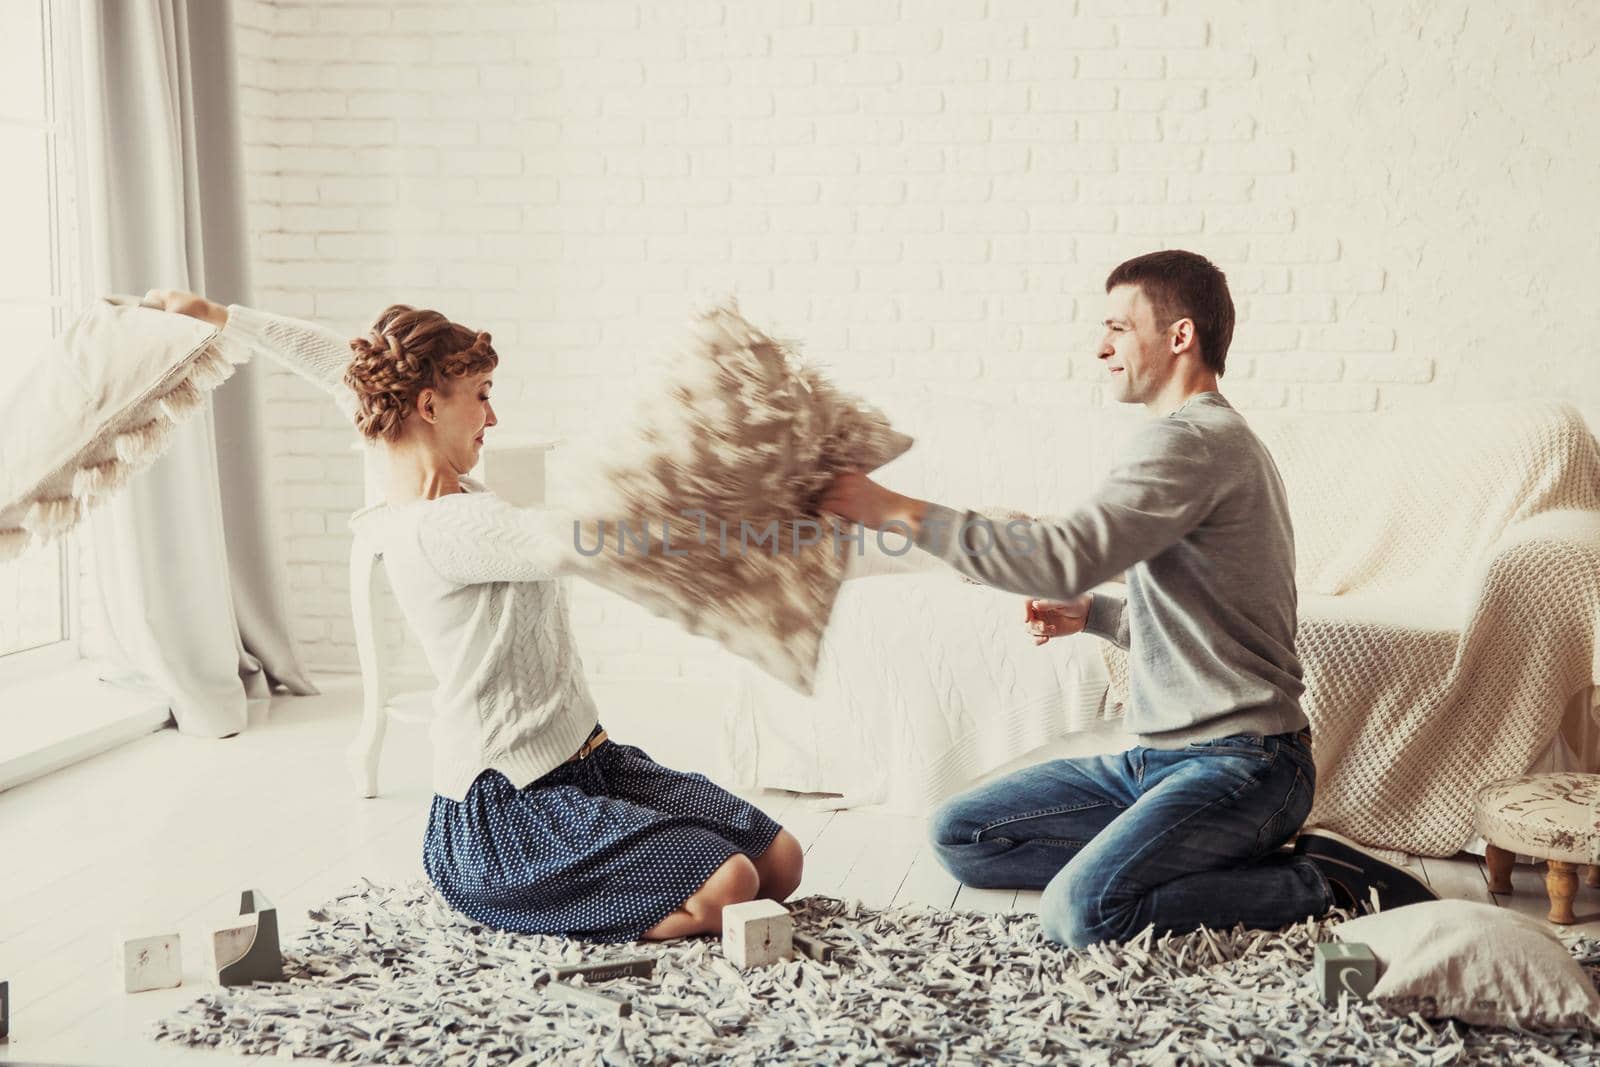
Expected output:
(1159, 491)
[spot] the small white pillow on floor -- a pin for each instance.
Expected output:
(1474, 962)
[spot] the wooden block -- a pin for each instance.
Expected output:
(812, 948)
(1342, 967)
(757, 932)
(634, 967)
(248, 951)
(230, 944)
(154, 962)
(590, 1000)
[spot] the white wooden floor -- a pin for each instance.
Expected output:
(163, 833)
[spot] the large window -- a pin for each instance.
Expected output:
(35, 590)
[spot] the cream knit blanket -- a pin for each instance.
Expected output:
(1449, 569)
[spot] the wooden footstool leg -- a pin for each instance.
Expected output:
(1499, 862)
(1591, 876)
(1561, 880)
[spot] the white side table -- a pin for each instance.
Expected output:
(515, 469)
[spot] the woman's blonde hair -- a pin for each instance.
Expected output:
(408, 350)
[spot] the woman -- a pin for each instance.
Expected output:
(541, 824)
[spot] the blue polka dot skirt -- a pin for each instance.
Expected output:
(601, 848)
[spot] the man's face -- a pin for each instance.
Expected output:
(1135, 353)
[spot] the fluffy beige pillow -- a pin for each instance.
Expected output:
(1474, 962)
(705, 511)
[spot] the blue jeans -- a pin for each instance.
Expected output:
(1176, 839)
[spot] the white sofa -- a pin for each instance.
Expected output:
(1449, 569)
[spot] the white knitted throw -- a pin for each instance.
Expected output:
(1449, 568)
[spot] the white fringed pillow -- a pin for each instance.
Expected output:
(97, 407)
(739, 428)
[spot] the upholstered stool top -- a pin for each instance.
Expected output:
(1547, 816)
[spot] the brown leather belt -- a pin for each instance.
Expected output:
(588, 746)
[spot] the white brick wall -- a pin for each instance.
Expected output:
(929, 192)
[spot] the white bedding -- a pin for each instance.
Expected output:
(904, 713)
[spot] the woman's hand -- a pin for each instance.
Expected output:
(192, 304)
(1057, 618)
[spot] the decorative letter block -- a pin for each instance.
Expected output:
(1344, 968)
(248, 952)
(813, 948)
(590, 1000)
(154, 962)
(632, 967)
(756, 933)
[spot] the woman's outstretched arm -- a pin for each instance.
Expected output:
(311, 351)
(473, 538)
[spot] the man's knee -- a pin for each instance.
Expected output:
(1072, 912)
(950, 825)
(953, 830)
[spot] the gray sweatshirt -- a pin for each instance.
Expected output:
(1195, 512)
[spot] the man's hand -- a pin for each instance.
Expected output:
(855, 497)
(1056, 618)
(192, 304)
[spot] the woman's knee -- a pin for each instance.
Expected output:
(735, 882)
(781, 866)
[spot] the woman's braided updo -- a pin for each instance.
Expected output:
(409, 350)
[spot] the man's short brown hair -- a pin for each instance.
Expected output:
(1184, 285)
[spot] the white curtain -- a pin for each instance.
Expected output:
(190, 583)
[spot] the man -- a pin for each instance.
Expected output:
(1186, 828)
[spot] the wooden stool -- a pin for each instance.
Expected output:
(1553, 817)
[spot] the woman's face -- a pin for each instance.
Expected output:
(462, 415)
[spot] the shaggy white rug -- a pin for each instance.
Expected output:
(388, 974)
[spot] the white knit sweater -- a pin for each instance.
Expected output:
(478, 582)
